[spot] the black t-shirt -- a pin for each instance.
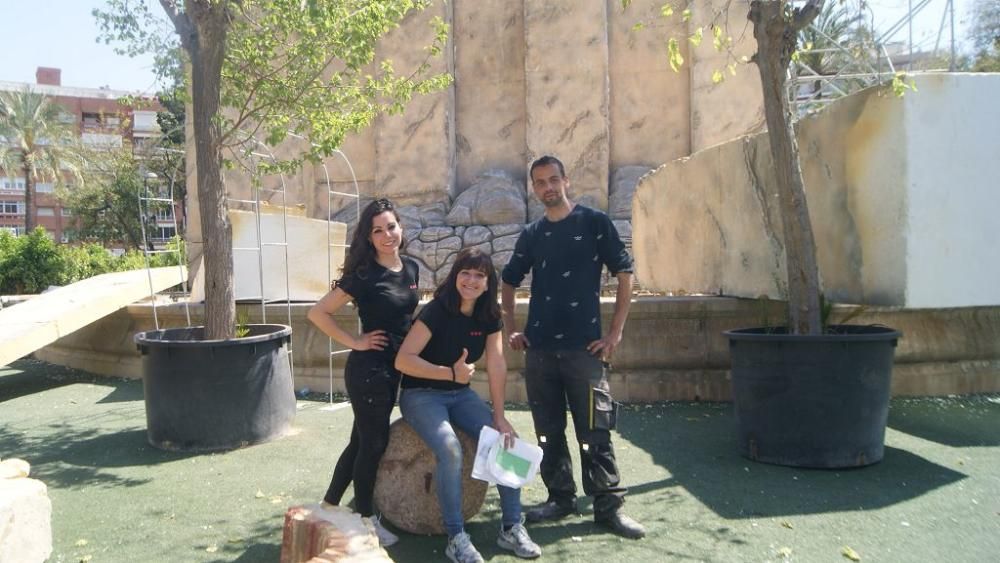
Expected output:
(385, 299)
(449, 334)
(565, 259)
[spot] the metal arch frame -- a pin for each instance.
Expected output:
(331, 347)
(144, 200)
(256, 186)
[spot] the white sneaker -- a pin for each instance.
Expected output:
(461, 550)
(385, 537)
(517, 540)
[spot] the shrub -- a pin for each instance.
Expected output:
(30, 263)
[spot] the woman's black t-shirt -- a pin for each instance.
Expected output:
(385, 299)
(449, 334)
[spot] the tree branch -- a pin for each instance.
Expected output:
(803, 16)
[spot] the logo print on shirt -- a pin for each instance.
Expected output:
(566, 273)
(538, 323)
(548, 298)
(559, 337)
(574, 304)
(543, 264)
(578, 237)
(475, 333)
(414, 286)
(593, 320)
(548, 233)
(599, 237)
(595, 258)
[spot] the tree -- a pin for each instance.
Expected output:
(985, 35)
(776, 27)
(39, 143)
(277, 66)
(107, 208)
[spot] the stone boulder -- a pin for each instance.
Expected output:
(25, 515)
(494, 198)
(623, 184)
(405, 491)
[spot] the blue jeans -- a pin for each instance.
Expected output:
(434, 415)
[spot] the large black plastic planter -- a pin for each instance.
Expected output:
(812, 401)
(207, 395)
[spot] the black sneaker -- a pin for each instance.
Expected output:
(622, 525)
(550, 510)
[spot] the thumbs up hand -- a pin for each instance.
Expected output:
(461, 370)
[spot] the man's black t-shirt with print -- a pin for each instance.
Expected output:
(565, 259)
(385, 299)
(449, 334)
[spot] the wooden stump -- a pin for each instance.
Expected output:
(314, 534)
(405, 490)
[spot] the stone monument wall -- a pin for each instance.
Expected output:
(531, 77)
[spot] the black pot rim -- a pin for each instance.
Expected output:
(845, 333)
(181, 337)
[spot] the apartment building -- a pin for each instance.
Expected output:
(101, 120)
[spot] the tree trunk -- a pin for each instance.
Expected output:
(776, 32)
(207, 52)
(29, 196)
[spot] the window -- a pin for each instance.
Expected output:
(91, 120)
(44, 187)
(15, 230)
(164, 214)
(66, 212)
(46, 212)
(12, 184)
(12, 207)
(165, 232)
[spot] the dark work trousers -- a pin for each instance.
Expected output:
(554, 378)
(371, 382)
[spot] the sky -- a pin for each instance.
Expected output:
(62, 34)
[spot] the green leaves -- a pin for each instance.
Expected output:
(901, 82)
(696, 36)
(674, 54)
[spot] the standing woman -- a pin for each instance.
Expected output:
(454, 330)
(383, 286)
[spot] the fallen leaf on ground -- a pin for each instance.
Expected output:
(850, 553)
(212, 548)
(81, 543)
(787, 524)
(785, 552)
(260, 494)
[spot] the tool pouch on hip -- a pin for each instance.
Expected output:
(603, 410)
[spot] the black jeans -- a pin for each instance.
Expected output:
(554, 378)
(371, 382)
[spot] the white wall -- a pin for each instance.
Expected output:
(903, 193)
(953, 129)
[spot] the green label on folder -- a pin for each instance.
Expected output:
(513, 463)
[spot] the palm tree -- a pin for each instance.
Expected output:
(38, 142)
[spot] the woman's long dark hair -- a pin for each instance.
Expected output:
(486, 310)
(361, 253)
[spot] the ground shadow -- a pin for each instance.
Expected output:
(27, 376)
(76, 457)
(697, 444)
(958, 422)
